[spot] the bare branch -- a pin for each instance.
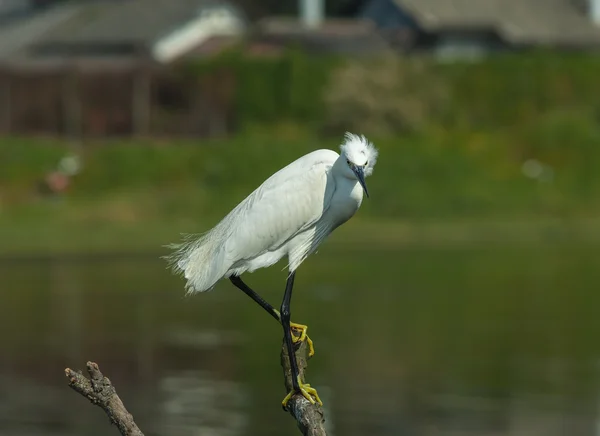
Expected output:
(100, 391)
(309, 417)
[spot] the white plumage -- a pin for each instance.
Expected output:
(290, 214)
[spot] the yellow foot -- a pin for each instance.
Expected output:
(302, 329)
(306, 391)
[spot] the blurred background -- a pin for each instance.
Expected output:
(462, 299)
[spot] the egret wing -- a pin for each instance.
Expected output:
(286, 204)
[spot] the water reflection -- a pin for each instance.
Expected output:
(197, 402)
(422, 341)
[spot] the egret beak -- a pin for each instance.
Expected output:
(360, 175)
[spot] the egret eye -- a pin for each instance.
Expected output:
(348, 162)
(366, 163)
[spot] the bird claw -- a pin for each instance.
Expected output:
(303, 336)
(307, 392)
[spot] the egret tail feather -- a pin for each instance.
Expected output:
(199, 258)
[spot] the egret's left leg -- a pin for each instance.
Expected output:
(300, 328)
(237, 281)
(297, 386)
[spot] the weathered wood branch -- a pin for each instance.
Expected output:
(100, 391)
(308, 416)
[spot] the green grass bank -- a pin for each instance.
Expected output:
(140, 194)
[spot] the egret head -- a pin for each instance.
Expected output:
(360, 156)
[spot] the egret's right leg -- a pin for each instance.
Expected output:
(297, 386)
(237, 281)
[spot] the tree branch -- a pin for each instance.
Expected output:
(100, 391)
(309, 417)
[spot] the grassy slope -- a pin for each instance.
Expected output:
(439, 186)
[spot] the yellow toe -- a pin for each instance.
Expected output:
(307, 392)
(303, 336)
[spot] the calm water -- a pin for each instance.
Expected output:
(413, 341)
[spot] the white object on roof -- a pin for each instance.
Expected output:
(218, 21)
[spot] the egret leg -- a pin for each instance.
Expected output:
(297, 386)
(237, 281)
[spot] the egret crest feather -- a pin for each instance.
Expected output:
(360, 151)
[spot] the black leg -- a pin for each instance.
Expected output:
(287, 334)
(283, 317)
(237, 281)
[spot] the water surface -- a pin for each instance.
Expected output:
(500, 340)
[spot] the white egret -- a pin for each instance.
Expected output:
(290, 214)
